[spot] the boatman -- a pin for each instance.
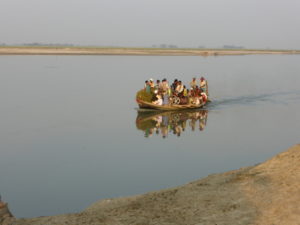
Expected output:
(203, 85)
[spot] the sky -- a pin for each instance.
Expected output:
(143, 23)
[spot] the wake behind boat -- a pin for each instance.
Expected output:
(161, 96)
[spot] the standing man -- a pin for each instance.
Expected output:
(193, 83)
(203, 85)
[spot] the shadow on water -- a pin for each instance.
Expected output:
(274, 98)
(170, 123)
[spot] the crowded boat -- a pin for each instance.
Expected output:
(161, 95)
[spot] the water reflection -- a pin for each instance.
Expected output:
(170, 123)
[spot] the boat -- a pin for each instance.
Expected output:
(170, 107)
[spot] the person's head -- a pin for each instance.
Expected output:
(146, 81)
(158, 81)
(175, 81)
(184, 86)
(151, 80)
(194, 78)
(202, 79)
(179, 82)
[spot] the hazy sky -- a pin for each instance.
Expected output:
(186, 23)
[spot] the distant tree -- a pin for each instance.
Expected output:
(232, 47)
(172, 46)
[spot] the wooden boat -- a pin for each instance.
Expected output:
(147, 105)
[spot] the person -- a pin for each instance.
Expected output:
(204, 96)
(174, 85)
(146, 83)
(165, 86)
(151, 83)
(203, 85)
(158, 86)
(185, 91)
(147, 87)
(193, 83)
(159, 100)
(179, 88)
(166, 99)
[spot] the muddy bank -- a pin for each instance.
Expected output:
(132, 51)
(265, 194)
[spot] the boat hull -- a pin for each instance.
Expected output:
(148, 105)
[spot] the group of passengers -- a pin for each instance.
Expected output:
(177, 93)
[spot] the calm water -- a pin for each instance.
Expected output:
(70, 133)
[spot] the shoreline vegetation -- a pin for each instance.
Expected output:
(70, 50)
(264, 194)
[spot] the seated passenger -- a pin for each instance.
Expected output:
(179, 88)
(174, 85)
(159, 100)
(185, 91)
(204, 96)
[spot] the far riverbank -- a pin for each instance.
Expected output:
(20, 50)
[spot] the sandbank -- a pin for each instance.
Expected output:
(20, 50)
(264, 194)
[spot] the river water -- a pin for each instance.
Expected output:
(71, 134)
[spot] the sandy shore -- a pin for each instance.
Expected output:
(265, 194)
(132, 51)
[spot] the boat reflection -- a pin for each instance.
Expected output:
(173, 122)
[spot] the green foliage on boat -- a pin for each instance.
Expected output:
(144, 96)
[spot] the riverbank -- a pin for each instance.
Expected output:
(11, 50)
(265, 194)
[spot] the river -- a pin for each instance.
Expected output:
(71, 134)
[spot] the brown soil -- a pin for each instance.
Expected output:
(265, 194)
